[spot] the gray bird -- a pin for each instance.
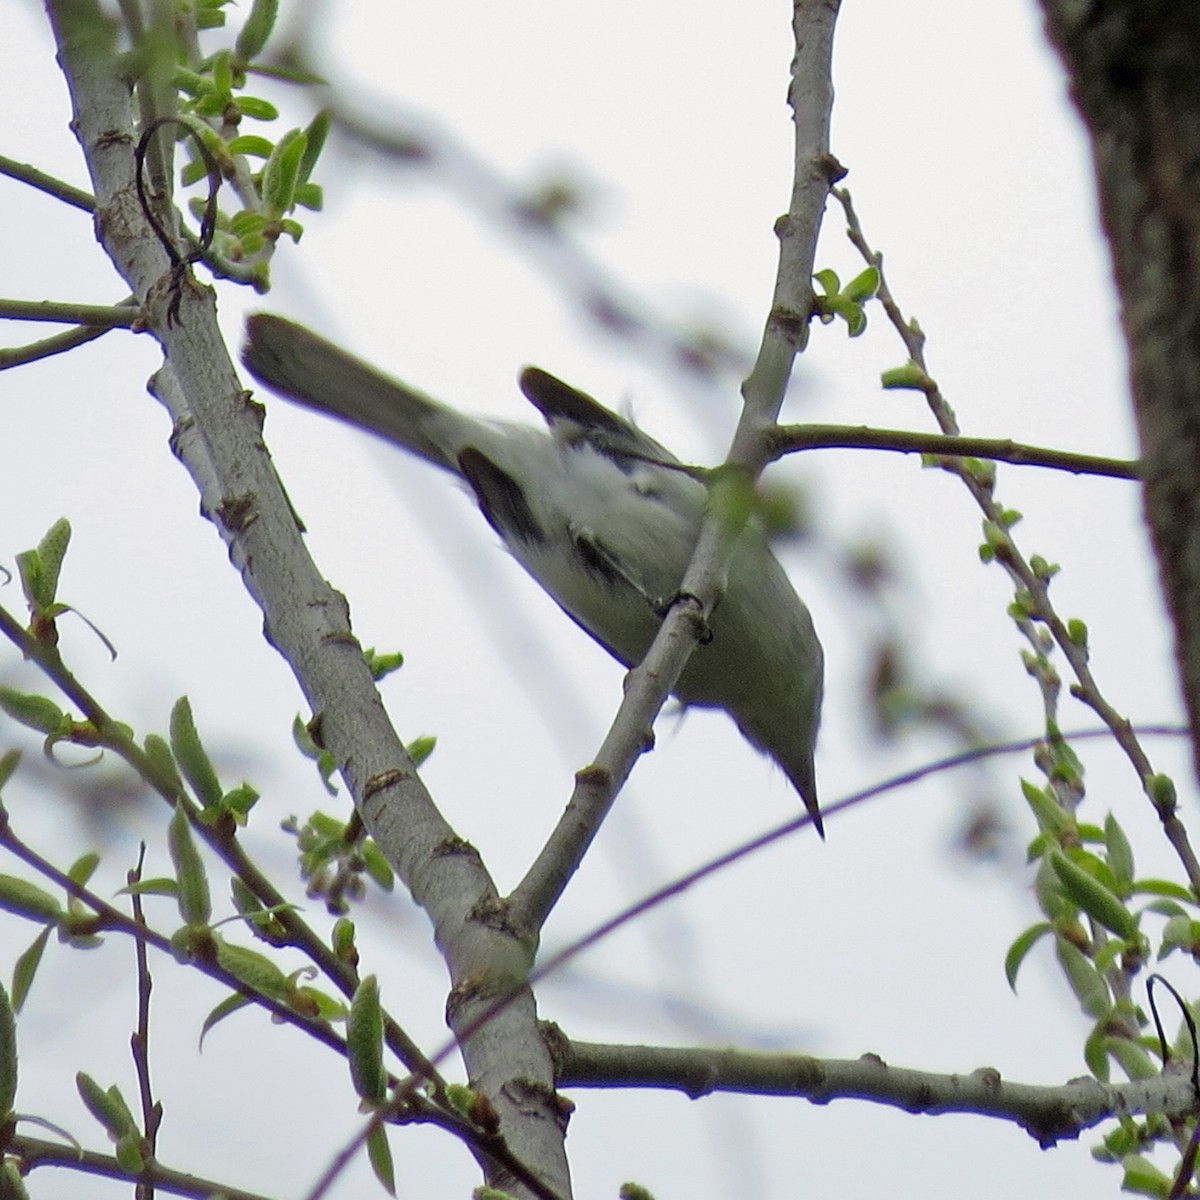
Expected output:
(593, 511)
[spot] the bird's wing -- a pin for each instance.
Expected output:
(560, 403)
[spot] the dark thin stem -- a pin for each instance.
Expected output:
(225, 845)
(789, 439)
(110, 918)
(34, 1153)
(140, 1041)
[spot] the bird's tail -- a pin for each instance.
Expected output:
(316, 373)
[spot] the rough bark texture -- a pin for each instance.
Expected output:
(1135, 79)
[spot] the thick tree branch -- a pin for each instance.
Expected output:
(1048, 1114)
(219, 434)
(649, 684)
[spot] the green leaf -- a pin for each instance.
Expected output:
(26, 968)
(33, 711)
(189, 753)
(634, 1191)
(28, 900)
(1163, 887)
(9, 761)
(257, 29)
(195, 902)
(8, 1056)
(1096, 1056)
(190, 82)
(239, 802)
(909, 377)
(1051, 817)
(1143, 1178)
(1093, 897)
(377, 866)
(1086, 982)
(52, 549)
(863, 286)
(302, 736)
(251, 145)
(364, 1042)
(830, 284)
(108, 1107)
(162, 764)
(226, 1008)
(12, 1186)
(310, 196)
(253, 969)
(39, 568)
(1118, 852)
(129, 1154)
(383, 665)
(151, 887)
(256, 107)
(1020, 948)
(380, 1155)
(1132, 1058)
(315, 135)
(342, 941)
(327, 1007)
(83, 867)
(281, 173)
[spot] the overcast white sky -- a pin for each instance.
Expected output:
(970, 172)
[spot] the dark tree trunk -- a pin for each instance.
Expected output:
(1134, 68)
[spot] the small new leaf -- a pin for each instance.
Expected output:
(1020, 948)
(108, 1107)
(1093, 897)
(257, 29)
(9, 762)
(33, 711)
(364, 1042)
(281, 173)
(26, 968)
(863, 286)
(8, 1057)
(28, 900)
(253, 969)
(909, 377)
(1086, 982)
(380, 1155)
(190, 754)
(195, 902)
(1118, 852)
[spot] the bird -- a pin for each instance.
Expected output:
(604, 518)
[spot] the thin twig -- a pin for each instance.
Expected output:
(300, 935)
(1032, 587)
(140, 1041)
(24, 173)
(788, 439)
(60, 343)
(109, 316)
(34, 1152)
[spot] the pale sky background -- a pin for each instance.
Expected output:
(970, 172)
